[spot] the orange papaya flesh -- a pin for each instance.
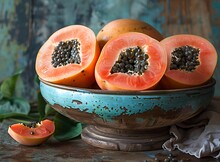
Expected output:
(206, 61)
(72, 74)
(156, 63)
(32, 135)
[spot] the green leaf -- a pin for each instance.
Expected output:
(16, 105)
(49, 110)
(15, 116)
(41, 106)
(65, 128)
(36, 79)
(1, 95)
(8, 85)
(22, 105)
(5, 107)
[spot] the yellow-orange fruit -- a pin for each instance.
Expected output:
(120, 26)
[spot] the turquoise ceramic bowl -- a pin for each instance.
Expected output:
(128, 110)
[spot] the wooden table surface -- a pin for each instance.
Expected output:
(78, 150)
(26, 25)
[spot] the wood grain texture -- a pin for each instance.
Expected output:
(78, 151)
(26, 25)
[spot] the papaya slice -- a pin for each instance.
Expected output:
(132, 61)
(68, 57)
(120, 26)
(33, 134)
(191, 61)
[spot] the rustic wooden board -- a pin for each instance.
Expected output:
(77, 150)
(26, 24)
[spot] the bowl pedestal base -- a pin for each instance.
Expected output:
(125, 140)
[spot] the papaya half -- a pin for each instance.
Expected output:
(131, 62)
(68, 57)
(33, 134)
(119, 26)
(191, 61)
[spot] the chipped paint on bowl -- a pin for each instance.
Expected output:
(128, 110)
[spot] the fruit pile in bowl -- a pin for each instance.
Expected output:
(127, 83)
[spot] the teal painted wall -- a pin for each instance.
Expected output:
(26, 24)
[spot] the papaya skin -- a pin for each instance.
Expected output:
(31, 140)
(120, 26)
(168, 83)
(76, 75)
(175, 79)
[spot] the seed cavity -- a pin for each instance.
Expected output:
(31, 124)
(131, 61)
(185, 58)
(66, 52)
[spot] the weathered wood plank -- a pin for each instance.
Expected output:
(15, 35)
(78, 150)
(215, 37)
(184, 16)
(26, 24)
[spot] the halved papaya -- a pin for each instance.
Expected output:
(119, 26)
(132, 61)
(191, 61)
(69, 56)
(33, 134)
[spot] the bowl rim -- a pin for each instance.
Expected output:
(209, 84)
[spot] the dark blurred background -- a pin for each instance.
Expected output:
(26, 24)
